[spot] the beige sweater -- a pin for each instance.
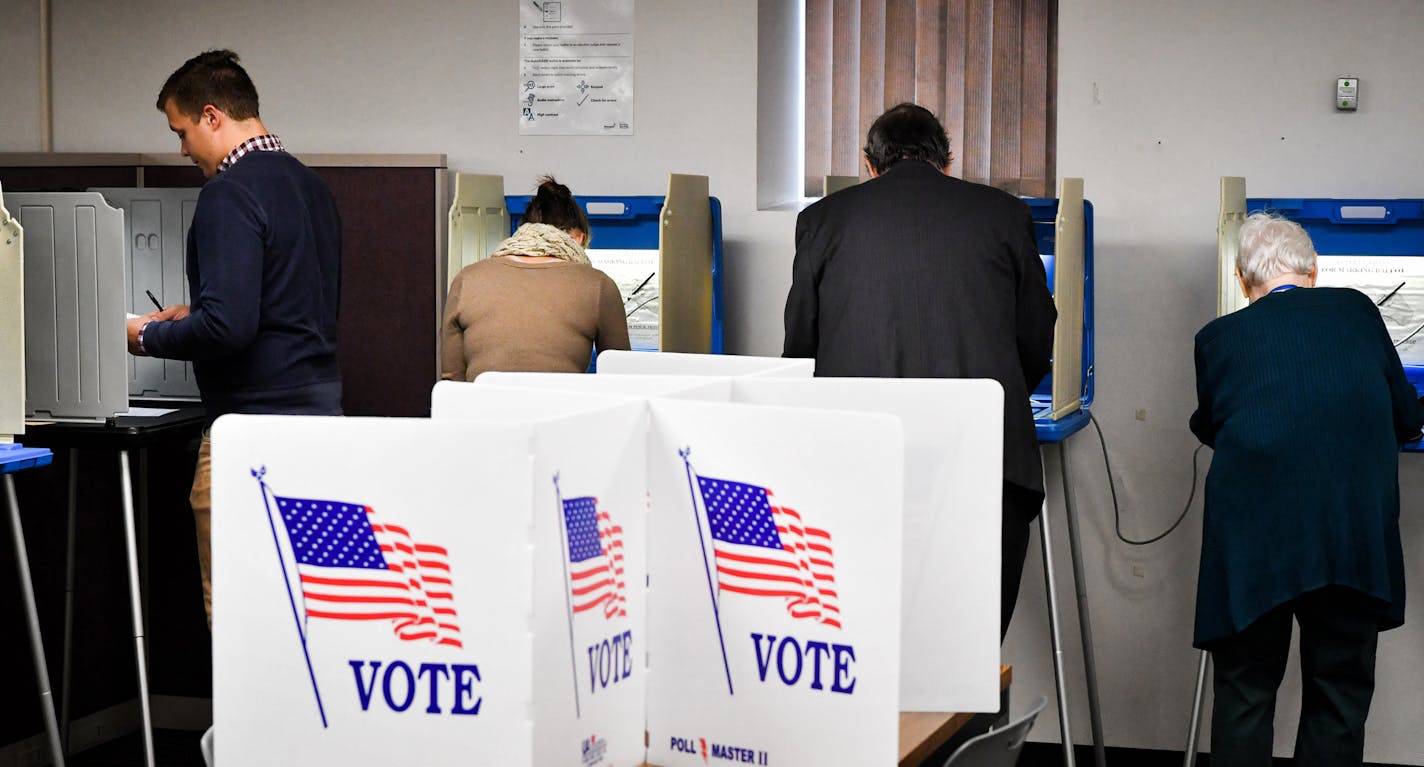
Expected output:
(506, 315)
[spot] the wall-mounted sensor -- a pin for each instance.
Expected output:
(1347, 94)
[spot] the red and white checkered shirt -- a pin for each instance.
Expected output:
(264, 143)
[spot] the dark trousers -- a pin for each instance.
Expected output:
(1020, 506)
(1339, 632)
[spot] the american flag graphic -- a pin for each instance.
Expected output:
(765, 550)
(353, 568)
(595, 558)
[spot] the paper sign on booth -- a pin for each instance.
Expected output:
(589, 628)
(368, 604)
(950, 563)
(774, 585)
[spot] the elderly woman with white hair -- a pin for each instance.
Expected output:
(1304, 401)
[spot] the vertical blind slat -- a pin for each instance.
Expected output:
(954, 82)
(899, 51)
(872, 69)
(1033, 152)
(818, 93)
(978, 77)
(929, 54)
(845, 76)
(1007, 95)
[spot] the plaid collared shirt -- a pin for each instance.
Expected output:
(265, 143)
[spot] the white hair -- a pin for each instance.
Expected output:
(1271, 246)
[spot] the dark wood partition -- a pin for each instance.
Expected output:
(393, 225)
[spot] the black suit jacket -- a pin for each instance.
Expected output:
(916, 274)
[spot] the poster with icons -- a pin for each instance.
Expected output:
(1396, 286)
(575, 68)
(774, 585)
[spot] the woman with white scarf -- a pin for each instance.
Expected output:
(536, 304)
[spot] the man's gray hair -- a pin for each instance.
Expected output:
(1271, 246)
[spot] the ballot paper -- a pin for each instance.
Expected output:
(1395, 284)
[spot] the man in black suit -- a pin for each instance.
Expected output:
(916, 274)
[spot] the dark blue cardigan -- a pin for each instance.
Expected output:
(264, 274)
(1303, 398)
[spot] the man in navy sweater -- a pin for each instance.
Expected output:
(264, 268)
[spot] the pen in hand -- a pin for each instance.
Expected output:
(151, 297)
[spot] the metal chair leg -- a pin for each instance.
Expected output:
(1194, 733)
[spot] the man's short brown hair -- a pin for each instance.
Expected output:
(211, 77)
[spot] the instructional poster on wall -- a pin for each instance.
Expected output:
(636, 274)
(575, 67)
(1395, 284)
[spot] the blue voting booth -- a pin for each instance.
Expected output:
(664, 252)
(1375, 246)
(636, 224)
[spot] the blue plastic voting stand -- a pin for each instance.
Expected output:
(636, 226)
(1055, 431)
(1045, 211)
(1345, 227)
(16, 458)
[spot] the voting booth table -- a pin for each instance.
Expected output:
(663, 252)
(554, 565)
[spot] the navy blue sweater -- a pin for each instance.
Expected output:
(264, 274)
(1302, 396)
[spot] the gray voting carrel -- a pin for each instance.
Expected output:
(76, 351)
(156, 222)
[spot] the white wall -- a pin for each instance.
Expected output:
(1156, 102)
(432, 77)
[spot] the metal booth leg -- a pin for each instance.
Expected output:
(1085, 625)
(1189, 756)
(136, 599)
(1058, 672)
(71, 529)
(27, 594)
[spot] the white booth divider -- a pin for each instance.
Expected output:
(950, 563)
(774, 605)
(714, 388)
(679, 364)
(519, 539)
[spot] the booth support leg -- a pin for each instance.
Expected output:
(32, 617)
(1085, 624)
(1058, 672)
(1189, 755)
(136, 603)
(70, 533)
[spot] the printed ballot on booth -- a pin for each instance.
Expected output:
(372, 603)
(774, 585)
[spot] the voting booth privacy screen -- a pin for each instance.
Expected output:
(1063, 227)
(12, 324)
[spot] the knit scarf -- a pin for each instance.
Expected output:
(541, 240)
